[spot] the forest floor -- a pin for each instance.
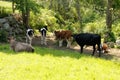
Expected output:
(113, 54)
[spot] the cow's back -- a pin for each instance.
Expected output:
(88, 39)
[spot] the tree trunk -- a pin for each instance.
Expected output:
(26, 15)
(79, 15)
(13, 6)
(51, 4)
(108, 20)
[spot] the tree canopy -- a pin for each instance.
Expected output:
(93, 16)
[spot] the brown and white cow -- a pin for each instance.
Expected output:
(63, 35)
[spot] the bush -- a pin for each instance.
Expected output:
(110, 37)
(3, 36)
(4, 12)
(116, 30)
(95, 27)
(44, 18)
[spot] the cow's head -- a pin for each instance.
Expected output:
(46, 27)
(74, 37)
(30, 32)
(11, 39)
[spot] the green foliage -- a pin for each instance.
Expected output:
(52, 64)
(60, 19)
(5, 8)
(4, 11)
(45, 18)
(3, 35)
(62, 14)
(89, 15)
(75, 27)
(24, 5)
(6, 4)
(111, 38)
(116, 30)
(116, 4)
(97, 26)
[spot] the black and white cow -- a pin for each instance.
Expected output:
(88, 39)
(29, 36)
(43, 32)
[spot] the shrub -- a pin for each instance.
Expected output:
(95, 27)
(116, 30)
(4, 12)
(111, 37)
(3, 35)
(44, 18)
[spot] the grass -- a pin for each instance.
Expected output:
(51, 64)
(6, 4)
(5, 8)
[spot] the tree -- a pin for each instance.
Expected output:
(110, 7)
(13, 6)
(25, 6)
(108, 20)
(78, 7)
(112, 14)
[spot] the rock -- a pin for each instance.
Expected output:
(118, 42)
(3, 20)
(12, 25)
(6, 26)
(110, 44)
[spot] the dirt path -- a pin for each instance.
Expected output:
(52, 43)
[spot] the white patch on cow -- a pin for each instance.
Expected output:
(43, 29)
(29, 40)
(43, 40)
(68, 43)
(43, 37)
(28, 37)
(60, 43)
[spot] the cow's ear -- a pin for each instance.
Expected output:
(11, 38)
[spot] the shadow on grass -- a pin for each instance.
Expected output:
(58, 52)
(70, 52)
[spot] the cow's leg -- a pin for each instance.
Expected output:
(41, 39)
(44, 40)
(81, 49)
(30, 41)
(60, 43)
(26, 39)
(68, 43)
(93, 50)
(99, 49)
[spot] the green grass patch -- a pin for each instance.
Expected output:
(6, 4)
(51, 64)
(5, 8)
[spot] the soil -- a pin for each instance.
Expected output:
(113, 54)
